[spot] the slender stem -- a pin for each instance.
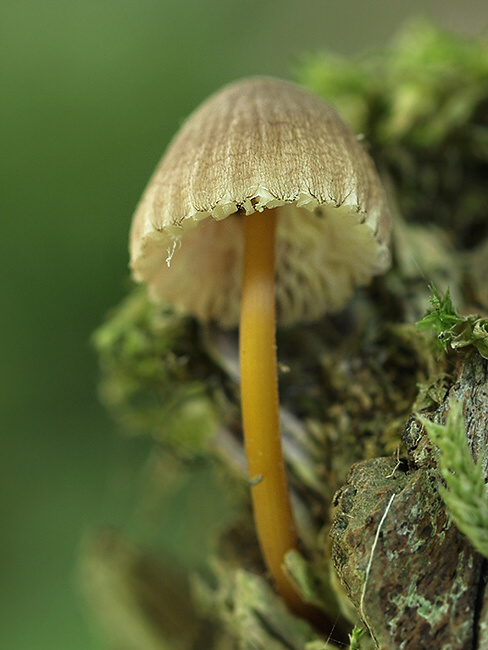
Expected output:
(260, 407)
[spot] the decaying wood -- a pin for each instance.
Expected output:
(414, 579)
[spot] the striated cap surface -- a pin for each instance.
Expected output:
(256, 145)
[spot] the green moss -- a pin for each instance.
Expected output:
(422, 107)
(252, 613)
(418, 92)
(465, 495)
(453, 330)
(154, 378)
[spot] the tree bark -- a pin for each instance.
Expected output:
(414, 579)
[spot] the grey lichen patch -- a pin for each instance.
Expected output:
(433, 611)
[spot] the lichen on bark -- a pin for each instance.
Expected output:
(415, 579)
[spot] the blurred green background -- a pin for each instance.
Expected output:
(90, 94)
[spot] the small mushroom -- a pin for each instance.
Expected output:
(264, 208)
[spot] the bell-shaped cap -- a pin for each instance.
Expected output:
(256, 145)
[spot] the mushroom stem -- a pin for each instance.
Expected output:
(260, 405)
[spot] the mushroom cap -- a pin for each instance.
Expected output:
(256, 145)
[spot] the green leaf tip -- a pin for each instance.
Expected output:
(453, 330)
(442, 315)
(355, 638)
(465, 495)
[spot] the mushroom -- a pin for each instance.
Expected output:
(265, 208)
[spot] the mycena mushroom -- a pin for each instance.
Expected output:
(265, 208)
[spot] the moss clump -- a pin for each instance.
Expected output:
(453, 330)
(423, 108)
(156, 380)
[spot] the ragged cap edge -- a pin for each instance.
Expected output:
(308, 284)
(144, 233)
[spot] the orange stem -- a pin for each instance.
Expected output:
(260, 406)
